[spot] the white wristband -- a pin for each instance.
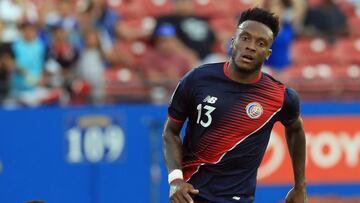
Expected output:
(175, 174)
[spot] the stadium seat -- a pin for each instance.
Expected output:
(144, 25)
(212, 8)
(348, 9)
(312, 51)
(134, 49)
(349, 79)
(224, 29)
(313, 82)
(124, 85)
(157, 7)
(238, 6)
(128, 9)
(223, 24)
(347, 51)
(354, 23)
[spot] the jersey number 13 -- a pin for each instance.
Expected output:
(207, 121)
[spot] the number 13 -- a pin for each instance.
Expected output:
(207, 114)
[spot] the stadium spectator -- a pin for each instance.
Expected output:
(62, 50)
(7, 63)
(291, 14)
(98, 14)
(91, 65)
(12, 13)
(62, 15)
(111, 30)
(62, 26)
(29, 54)
(192, 30)
(326, 20)
(62, 56)
(168, 61)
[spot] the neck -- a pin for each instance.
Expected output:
(237, 75)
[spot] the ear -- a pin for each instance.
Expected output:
(268, 54)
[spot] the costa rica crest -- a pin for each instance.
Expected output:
(254, 110)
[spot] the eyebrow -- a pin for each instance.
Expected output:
(248, 33)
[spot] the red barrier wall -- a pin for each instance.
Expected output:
(333, 152)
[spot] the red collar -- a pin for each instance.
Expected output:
(227, 74)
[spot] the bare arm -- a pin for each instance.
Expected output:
(295, 137)
(179, 190)
(299, 9)
(172, 145)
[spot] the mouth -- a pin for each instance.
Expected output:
(247, 58)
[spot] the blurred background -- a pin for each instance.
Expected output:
(84, 86)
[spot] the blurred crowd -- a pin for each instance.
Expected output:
(73, 52)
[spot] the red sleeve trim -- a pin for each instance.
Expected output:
(226, 71)
(174, 119)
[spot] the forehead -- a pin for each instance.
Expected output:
(256, 29)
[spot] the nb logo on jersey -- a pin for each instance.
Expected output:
(204, 111)
(209, 99)
(237, 198)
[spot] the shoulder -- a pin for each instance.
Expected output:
(288, 91)
(203, 71)
(273, 83)
(291, 95)
(210, 68)
(272, 79)
(290, 111)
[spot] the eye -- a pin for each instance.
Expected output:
(261, 43)
(244, 38)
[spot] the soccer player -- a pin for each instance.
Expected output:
(231, 108)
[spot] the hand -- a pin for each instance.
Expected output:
(296, 195)
(180, 192)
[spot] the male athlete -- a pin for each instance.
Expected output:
(231, 108)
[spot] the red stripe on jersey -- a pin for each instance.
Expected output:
(174, 119)
(226, 72)
(236, 125)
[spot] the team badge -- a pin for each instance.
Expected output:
(254, 110)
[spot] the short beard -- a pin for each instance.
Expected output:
(244, 70)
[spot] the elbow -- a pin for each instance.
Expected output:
(167, 135)
(296, 128)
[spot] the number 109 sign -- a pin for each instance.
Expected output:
(93, 139)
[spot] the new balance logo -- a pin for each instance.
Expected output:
(236, 198)
(209, 99)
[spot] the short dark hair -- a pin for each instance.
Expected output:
(262, 16)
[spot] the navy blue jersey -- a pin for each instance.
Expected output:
(228, 129)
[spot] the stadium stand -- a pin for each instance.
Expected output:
(316, 62)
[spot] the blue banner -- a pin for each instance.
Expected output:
(109, 154)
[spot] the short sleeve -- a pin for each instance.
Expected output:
(179, 103)
(291, 107)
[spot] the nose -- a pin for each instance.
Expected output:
(251, 46)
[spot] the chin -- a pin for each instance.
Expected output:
(243, 67)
